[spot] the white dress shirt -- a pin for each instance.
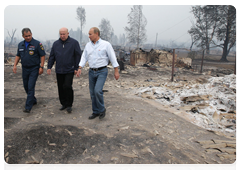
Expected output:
(98, 54)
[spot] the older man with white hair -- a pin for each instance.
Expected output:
(67, 54)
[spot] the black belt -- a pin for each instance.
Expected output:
(96, 69)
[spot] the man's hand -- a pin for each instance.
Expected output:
(40, 71)
(75, 72)
(79, 73)
(15, 69)
(17, 58)
(116, 73)
(48, 71)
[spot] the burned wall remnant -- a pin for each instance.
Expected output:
(140, 57)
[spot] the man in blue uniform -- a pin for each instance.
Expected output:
(32, 55)
(67, 53)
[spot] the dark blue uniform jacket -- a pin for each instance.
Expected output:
(67, 55)
(30, 56)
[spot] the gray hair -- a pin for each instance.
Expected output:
(26, 30)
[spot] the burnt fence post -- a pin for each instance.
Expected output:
(173, 63)
(202, 62)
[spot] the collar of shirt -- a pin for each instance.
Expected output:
(65, 40)
(27, 43)
(98, 41)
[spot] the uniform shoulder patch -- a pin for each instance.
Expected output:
(41, 46)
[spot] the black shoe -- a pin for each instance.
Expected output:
(69, 109)
(63, 107)
(26, 111)
(102, 115)
(93, 116)
(34, 103)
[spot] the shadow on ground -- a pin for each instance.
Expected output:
(48, 144)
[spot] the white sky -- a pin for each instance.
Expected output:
(170, 22)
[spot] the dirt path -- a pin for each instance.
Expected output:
(134, 131)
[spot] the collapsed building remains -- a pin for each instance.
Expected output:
(158, 57)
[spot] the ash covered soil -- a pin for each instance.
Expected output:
(135, 130)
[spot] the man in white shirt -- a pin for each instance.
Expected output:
(98, 52)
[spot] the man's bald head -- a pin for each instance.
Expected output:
(63, 32)
(63, 29)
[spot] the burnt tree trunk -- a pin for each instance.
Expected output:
(207, 49)
(226, 41)
(225, 45)
(224, 54)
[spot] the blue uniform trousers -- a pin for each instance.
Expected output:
(96, 83)
(29, 76)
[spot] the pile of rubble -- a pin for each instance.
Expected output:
(211, 101)
(158, 57)
(8, 58)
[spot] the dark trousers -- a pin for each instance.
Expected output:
(65, 90)
(29, 76)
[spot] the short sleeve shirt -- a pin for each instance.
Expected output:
(30, 56)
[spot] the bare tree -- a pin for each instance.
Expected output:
(193, 38)
(115, 40)
(204, 29)
(106, 30)
(122, 39)
(214, 22)
(81, 17)
(226, 32)
(12, 36)
(136, 32)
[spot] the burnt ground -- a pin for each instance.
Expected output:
(134, 131)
